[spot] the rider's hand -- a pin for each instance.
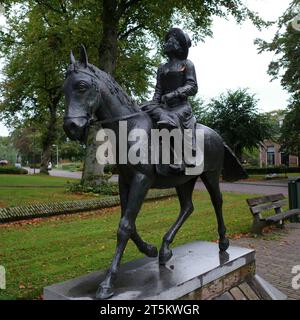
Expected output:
(169, 96)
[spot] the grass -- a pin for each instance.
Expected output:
(33, 180)
(72, 167)
(56, 249)
(17, 190)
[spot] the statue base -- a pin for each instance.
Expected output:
(196, 271)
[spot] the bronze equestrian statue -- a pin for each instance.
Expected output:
(93, 95)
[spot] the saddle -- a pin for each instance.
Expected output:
(172, 168)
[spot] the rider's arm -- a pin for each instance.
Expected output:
(158, 90)
(190, 88)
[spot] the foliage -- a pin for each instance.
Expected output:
(251, 157)
(105, 188)
(123, 37)
(198, 108)
(72, 167)
(7, 150)
(285, 46)
(235, 116)
(280, 169)
(71, 150)
(111, 169)
(286, 66)
(12, 170)
(290, 130)
(28, 142)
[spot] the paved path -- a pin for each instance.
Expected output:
(276, 258)
(259, 187)
(255, 188)
(59, 173)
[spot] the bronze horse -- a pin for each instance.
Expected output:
(93, 95)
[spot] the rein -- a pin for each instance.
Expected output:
(91, 121)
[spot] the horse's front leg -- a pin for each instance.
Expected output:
(144, 247)
(139, 187)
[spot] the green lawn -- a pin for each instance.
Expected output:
(17, 190)
(37, 255)
(33, 180)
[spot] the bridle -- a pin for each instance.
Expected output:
(91, 120)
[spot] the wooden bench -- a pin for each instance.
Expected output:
(274, 201)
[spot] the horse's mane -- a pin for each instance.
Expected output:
(111, 84)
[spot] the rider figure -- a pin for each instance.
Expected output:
(176, 81)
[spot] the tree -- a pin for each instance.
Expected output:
(123, 33)
(28, 141)
(33, 72)
(7, 150)
(285, 46)
(235, 116)
(198, 107)
(290, 130)
(286, 66)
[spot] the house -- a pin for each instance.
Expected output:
(270, 155)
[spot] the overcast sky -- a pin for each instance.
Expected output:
(230, 60)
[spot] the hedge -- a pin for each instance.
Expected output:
(68, 207)
(272, 170)
(12, 170)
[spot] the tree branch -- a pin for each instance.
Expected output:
(49, 6)
(129, 31)
(125, 5)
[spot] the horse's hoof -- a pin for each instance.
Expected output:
(224, 244)
(151, 251)
(165, 256)
(104, 293)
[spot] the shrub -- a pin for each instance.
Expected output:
(12, 170)
(111, 169)
(105, 188)
(269, 170)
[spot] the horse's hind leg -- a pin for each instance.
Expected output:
(146, 248)
(211, 182)
(184, 193)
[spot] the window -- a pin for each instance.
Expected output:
(271, 156)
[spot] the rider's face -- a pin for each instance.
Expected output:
(171, 45)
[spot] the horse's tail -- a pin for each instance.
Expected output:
(232, 168)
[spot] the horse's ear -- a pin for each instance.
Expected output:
(83, 56)
(72, 58)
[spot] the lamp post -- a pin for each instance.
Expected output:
(55, 145)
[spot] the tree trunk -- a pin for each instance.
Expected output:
(92, 171)
(108, 51)
(108, 48)
(48, 140)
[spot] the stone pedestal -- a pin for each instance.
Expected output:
(196, 271)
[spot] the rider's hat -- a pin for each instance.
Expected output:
(183, 39)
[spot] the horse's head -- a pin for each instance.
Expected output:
(81, 97)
